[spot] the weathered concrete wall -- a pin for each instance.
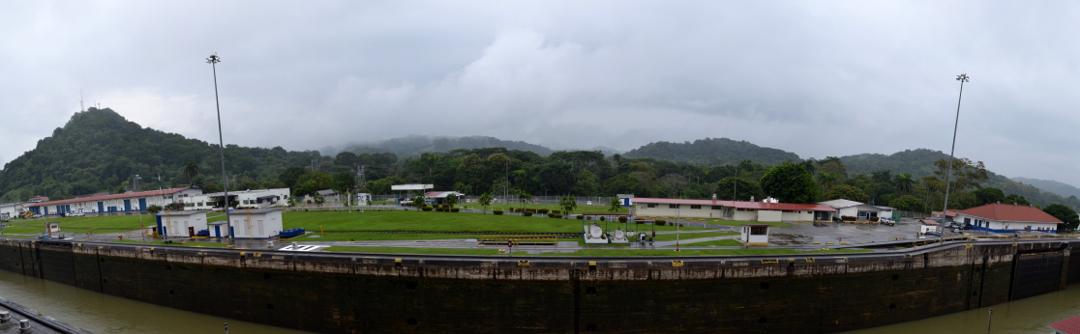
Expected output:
(357, 293)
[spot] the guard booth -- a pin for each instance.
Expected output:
(172, 224)
(755, 235)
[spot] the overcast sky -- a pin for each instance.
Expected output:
(814, 77)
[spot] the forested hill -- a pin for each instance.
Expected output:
(921, 163)
(415, 145)
(918, 162)
(712, 151)
(100, 151)
(1056, 187)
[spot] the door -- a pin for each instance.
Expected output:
(217, 231)
(127, 205)
(100, 206)
(142, 204)
(191, 231)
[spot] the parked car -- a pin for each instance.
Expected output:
(886, 221)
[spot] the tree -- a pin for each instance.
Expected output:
(485, 201)
(344, 182)
(153, 209)
(418, 201)
(614, 205)
(191, 170)
(568, 204)
(736, 188)
(907, 203)
(311, 182)
(989, 195)
(1065, 214)
(451, 200)
(847, 192)
(319, 200)
(1016, 200)
(789, 182)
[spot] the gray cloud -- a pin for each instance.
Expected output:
(817, 78)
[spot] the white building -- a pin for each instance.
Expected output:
(243, 199)
(1008, 218)
(10, 210)
(730, 210)
(858, 210)
(173, 224)
(754, 235)
(256, 223)
(137, 201)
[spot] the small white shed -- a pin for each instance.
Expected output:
(256, 223)
(755, 235)
(174, 224)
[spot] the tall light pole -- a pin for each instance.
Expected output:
(213, 60)
(962, 78)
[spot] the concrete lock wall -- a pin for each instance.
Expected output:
(364, 293)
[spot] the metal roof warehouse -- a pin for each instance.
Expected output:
(731, 210)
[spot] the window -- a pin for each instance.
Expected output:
(695, 207)
(651, 205)
(758, 230)
(717, 207)
(673, 206)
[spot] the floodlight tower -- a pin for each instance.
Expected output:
(213, 60)
(962, 78)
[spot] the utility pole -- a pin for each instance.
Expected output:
(213, 60)
(962, 78)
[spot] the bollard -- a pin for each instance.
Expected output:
(24, 326)
(5, 316)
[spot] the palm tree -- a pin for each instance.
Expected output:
(485, 201)
(191, 170)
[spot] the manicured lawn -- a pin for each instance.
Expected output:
(592, 209)
(415, 251)
(88, 224)
(373, 225)
(721, 242)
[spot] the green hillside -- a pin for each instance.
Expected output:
(100, 151)
(712, 151)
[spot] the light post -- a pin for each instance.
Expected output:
(213, 60)
(962, 78)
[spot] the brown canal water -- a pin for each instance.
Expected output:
(101, 313)
(1030, 315)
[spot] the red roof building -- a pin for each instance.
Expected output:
(999, 217)
(730, 210)
(103, 203)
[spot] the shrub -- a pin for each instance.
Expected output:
(542, 211)
(455, 210)
(580, 217)
(555, 212)
(554, 215)
(527, 214)
(497, 212)
(603, 218)
(639, 222)
(660, 222)
(426, 208)
(622, 219)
